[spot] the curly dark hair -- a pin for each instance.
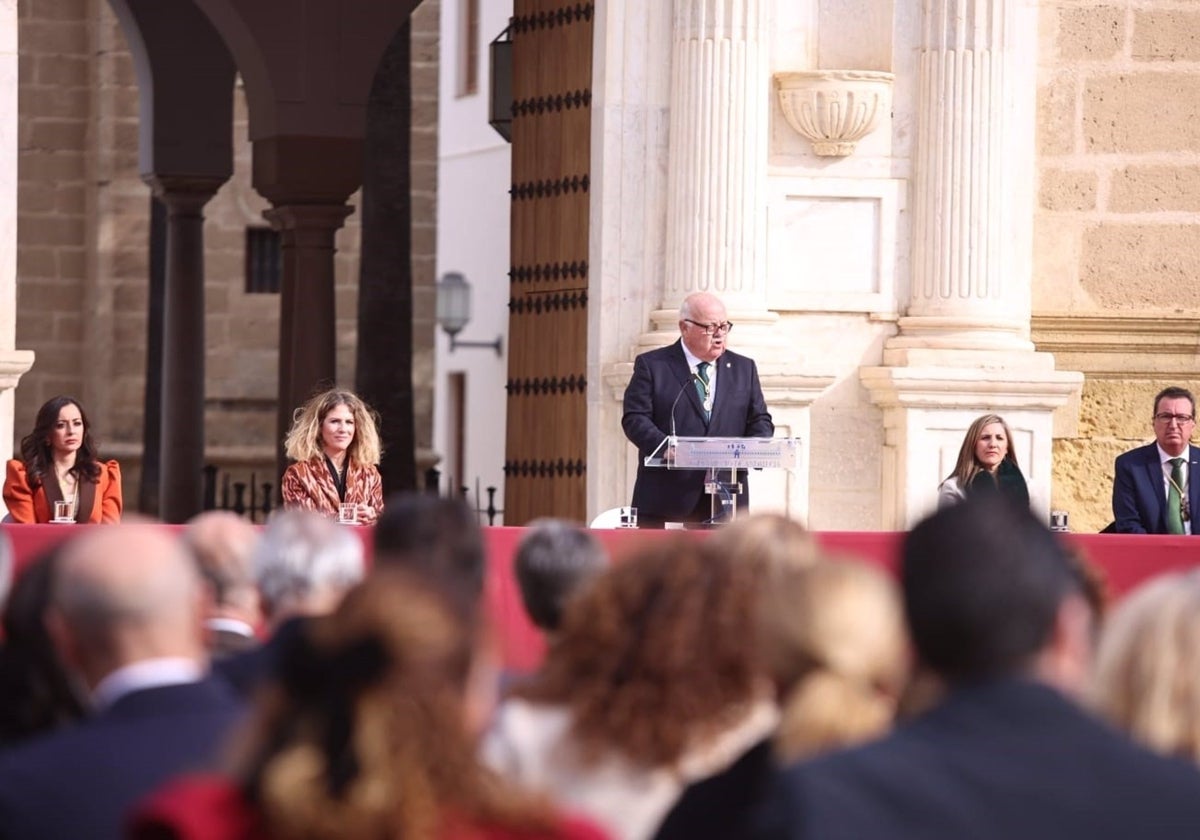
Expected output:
(656, 654)
(35, 446)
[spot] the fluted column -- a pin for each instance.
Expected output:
(973, 172)
(717, 154)
(182, 442)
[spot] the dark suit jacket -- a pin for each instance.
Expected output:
(659, 376)
(1139, 502)
(79, 782)
(1011, 759)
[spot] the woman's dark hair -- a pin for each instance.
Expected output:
(35, 446)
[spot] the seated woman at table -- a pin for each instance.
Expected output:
(58, 463)
(986, 465)
(335, 445)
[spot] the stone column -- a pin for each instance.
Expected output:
(181, 457)
(963, 348)
(307, 340)
(13, 362)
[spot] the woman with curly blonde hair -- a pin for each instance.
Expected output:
(335, 445)
(367, 732)
(1147, 674)
(653, 680)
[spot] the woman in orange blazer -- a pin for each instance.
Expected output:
(335, 444)
(58, 462)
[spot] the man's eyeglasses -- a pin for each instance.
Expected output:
(711, 329)
(1181, 419)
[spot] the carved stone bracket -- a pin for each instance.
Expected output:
(834, 109)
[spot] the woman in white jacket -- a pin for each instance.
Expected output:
(986, 465)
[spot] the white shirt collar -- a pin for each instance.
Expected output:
(149, 673)
(694, 360)
(1163, 457)
(230, 625)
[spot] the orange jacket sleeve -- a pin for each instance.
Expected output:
(111, 501)
(18, 498)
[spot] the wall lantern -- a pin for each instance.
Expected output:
(500, 96)
(454, 311)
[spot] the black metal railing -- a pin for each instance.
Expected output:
(241, 493)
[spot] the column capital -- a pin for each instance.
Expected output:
(183, 193)
(308, 216)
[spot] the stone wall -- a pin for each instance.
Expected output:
(1116, 289)
(83, 249)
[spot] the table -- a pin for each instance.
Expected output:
(1127, 559)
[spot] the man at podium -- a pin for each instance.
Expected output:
(692, 388)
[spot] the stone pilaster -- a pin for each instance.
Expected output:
(13, 362)
(963, 348)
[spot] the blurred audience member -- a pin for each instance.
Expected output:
(223, 544)
(995, 610)
(437, 538)
(366, 734)
(652, 681)
(36, 693)
(303, 566)
(334, 442)
(59, 463)
(1148, 665)
(838, 651)
(554, 559)
(127, 616)
(7, 569)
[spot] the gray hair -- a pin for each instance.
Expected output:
(301, 552)
(554, 560)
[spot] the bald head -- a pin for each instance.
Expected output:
(124, 594)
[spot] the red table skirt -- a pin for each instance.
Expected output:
(1127, 559)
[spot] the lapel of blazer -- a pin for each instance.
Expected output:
(1154, 470)
(325, 481)
(679, 366)
(726, 386)
(1193, 489)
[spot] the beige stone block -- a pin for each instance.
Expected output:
(34, 326)
(253, 332)
(70, 198)
(68, 327)
(1142, 266)
(36, 262)
(131, 263)
(1119, 409)
(1067, 189)
(129, 328)
(50, 10)
(1092, 33)
(50, 167)
(61, 70)
(54, 102)
(59, 37)
(48, 296)
(1166, 35)
(130, 296)
(1141, 112)
(72, 263)
(1081, 478)
(1149, 189)
(48, 133)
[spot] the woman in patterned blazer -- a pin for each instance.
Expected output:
(335, 444)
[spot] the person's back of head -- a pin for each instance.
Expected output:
(985, 585)
(1147, 676)
(554, 559)
(835, 645)
(366, 732)
(223, 544)
(123, 595)
(304, 564)
(436, 537)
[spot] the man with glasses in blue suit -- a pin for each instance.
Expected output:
(1152, 492)
(695, 387)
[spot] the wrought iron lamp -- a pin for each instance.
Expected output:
(454, 311)
(500, 95)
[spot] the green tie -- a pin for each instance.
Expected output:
(1175, 498)
(702, 388)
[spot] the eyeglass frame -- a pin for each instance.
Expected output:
(1181, 419)
(711, 329)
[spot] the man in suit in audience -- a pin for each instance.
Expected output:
(223, 544)
(1152, 491)
(127, 616)
(996, 612)
(694, 388)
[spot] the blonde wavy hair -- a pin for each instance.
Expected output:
(303, 442)
(1147, 675)
(835, 644)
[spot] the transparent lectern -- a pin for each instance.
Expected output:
(722, 457)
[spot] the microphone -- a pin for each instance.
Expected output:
(695, 377)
